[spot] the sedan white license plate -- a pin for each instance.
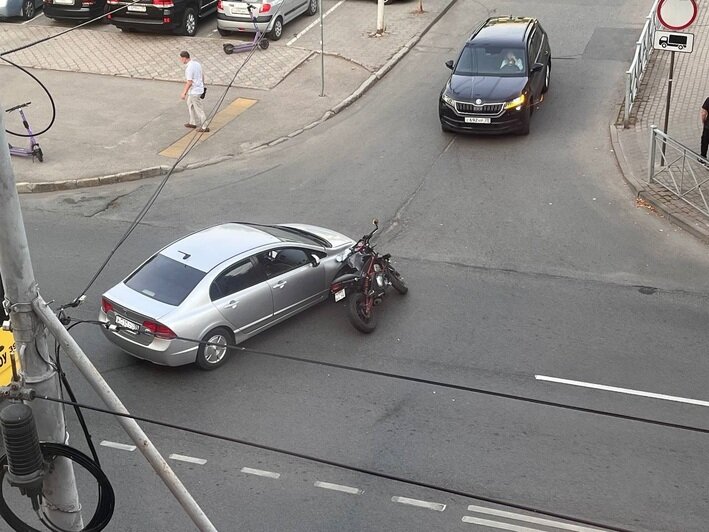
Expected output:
(476, 120)
(137, 9)
(339, 295)
(64, 2)
(127, 324)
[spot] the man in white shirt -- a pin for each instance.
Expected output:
(511, 61)
(192, 92)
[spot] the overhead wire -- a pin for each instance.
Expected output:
(340, 465)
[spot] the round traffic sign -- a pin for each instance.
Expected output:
(677, 14)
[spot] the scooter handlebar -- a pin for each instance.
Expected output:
(17, 107)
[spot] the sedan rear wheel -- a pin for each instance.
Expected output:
(277, 30)
(213, 353)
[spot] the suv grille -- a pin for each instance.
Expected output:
(485, 109)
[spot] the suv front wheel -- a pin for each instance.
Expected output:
(189, 22)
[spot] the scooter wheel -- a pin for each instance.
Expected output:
(264, 43)
(37, 152)
(228, 49)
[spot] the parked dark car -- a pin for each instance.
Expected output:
(181, 16)
(74, 9)
(500, 76)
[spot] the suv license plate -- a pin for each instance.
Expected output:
(476, 120)
(138, 9)
(127, 324)
(340, 294)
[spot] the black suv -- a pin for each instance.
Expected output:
(181, 16)
(499, 77)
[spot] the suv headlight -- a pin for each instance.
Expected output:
(447, 100)
(516, 103)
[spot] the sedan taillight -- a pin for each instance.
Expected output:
(220, 7)
(163, 3)
(106, 305)
(159, 330)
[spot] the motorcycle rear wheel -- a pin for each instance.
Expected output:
(396, 281)
(357, 311)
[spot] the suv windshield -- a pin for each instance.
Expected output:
(165, 280)
(488, 60)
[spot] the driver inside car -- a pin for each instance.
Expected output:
(510, 60)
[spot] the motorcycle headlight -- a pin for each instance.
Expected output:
(516, 103)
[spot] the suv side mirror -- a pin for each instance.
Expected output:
(537, 67)
(449, 64)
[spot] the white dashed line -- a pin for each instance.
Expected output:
(421, 504)
(314, 23)
(497, 524)
(260, 472)
(338, 487)
(120, 446)
(189, 459)
(623, 390)
(529, 519)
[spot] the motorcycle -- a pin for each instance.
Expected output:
(365, 277)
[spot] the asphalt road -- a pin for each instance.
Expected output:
(526, 256)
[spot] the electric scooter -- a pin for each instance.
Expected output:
(248, 46)
(34, 150)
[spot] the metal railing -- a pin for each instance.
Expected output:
(676, 168)
(643, 49)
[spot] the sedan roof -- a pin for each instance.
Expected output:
(210, 247)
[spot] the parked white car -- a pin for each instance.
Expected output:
(270, 16)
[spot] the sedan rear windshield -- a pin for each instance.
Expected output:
(487, 60)
(165, 280)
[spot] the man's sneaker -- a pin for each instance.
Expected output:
(203, 130)
(191, 126)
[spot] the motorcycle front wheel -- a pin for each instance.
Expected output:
(358, 314)
(396, 281)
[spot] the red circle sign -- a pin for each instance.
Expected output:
(677, 14)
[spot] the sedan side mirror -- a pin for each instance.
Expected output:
(314, 260)
(537, 67)
(449, 64)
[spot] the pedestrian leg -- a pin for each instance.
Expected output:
(705, 142)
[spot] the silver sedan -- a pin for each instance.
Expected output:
(220, 285)
(26, 9)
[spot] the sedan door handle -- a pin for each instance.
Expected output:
(232, 304)
(280, 284)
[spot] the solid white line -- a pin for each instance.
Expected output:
(260, 472)
(314, 23)
(121, 446)
(496, 524)
(190, 459)
(34, 18)
(421, 504)
(623, 390)
(338, 487)
(530, 519)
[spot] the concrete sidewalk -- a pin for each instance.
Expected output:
(689, 90)
(119, 116)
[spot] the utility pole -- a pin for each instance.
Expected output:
(60, 497)
(380, 18)
(29, 315)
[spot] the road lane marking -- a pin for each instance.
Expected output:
(260, 472)
(314, 23)
(497, 524)
(221, 119)
(623, 390)
(189, 459)
(530, 519)
(120, 446)
(33, 18)
(338, 487)
(421, 504)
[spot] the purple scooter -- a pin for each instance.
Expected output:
(34, 150)
(248, 46)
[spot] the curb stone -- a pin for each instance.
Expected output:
(154, 171)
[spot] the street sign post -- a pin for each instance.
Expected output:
(677, 14)
(674, 15)
(674, 41)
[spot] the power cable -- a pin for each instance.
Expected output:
(105, 504)
(341, 465)
(193, 142)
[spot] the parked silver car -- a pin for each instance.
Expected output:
(270, 16)
(26, 9)
(220, 285)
